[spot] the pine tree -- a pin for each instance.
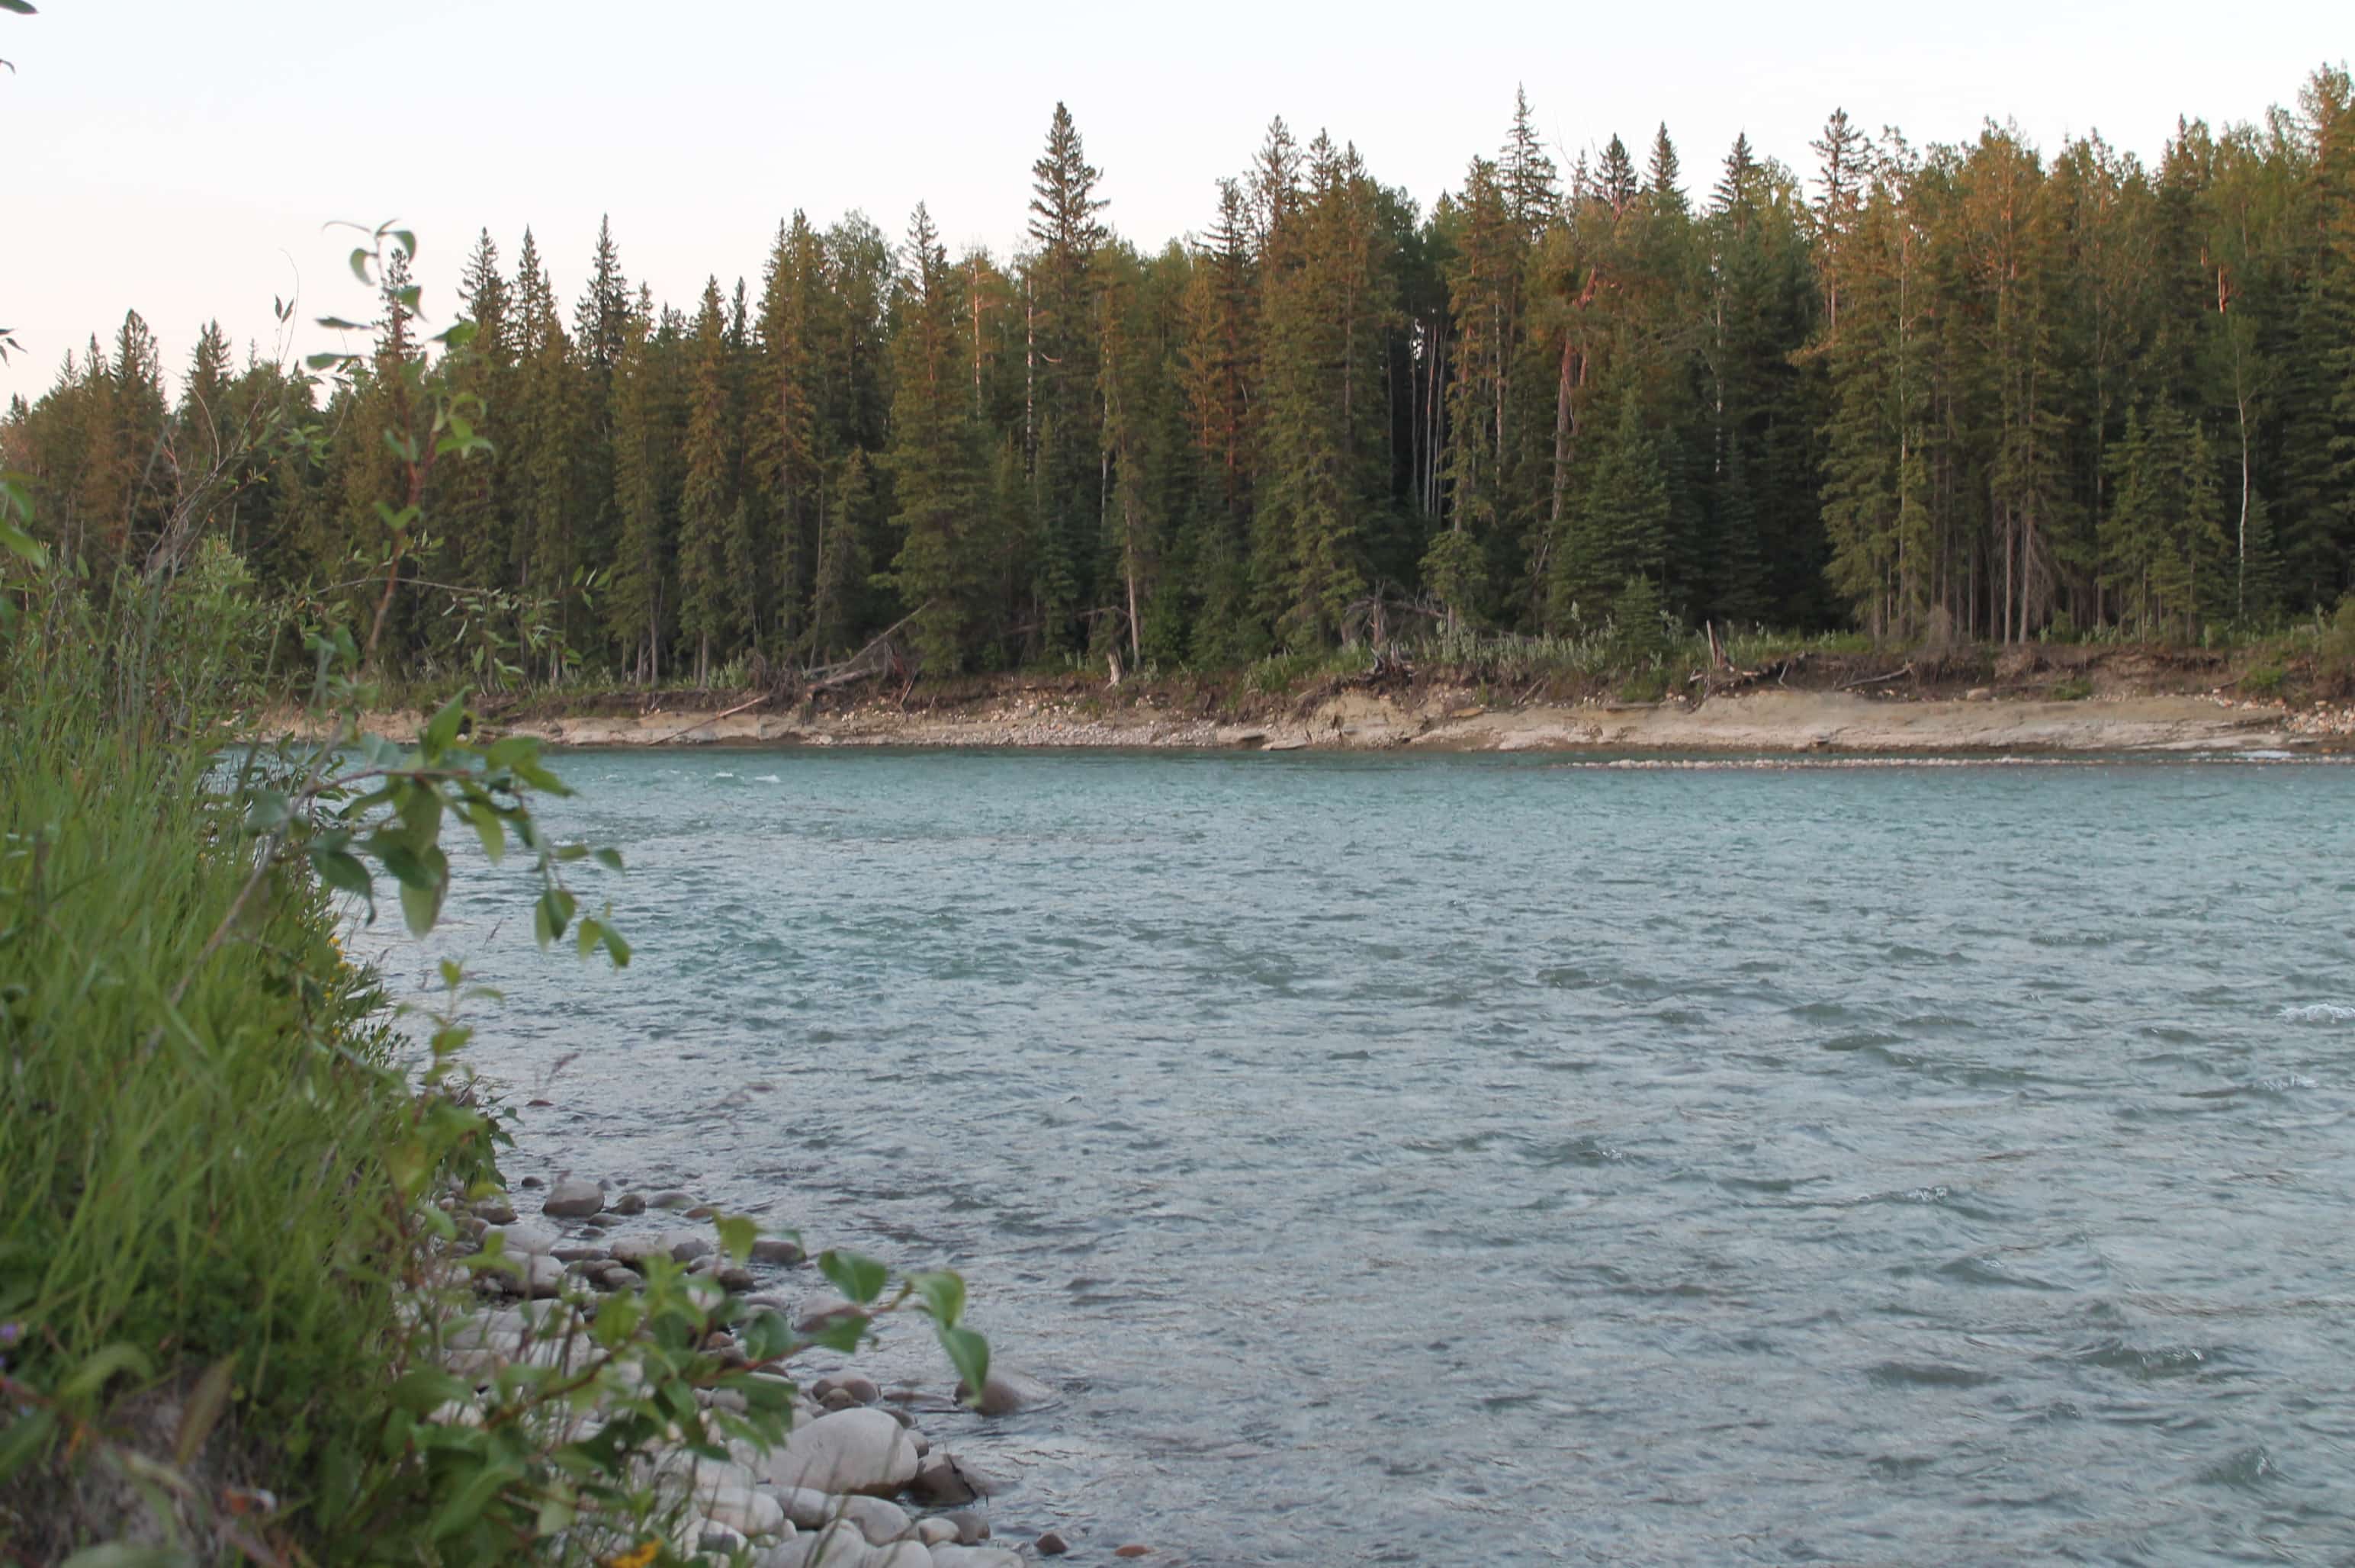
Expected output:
(472, 505)
(932, 461)
(709, 605)
(839, 577)
(1060, 357)
(1527, 176)
(783, 440)
(1619, 532)
(1617, 178)
(1662, 173)
(639, 600)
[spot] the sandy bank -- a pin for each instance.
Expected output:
(1443, 720)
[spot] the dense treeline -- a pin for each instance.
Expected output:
(1959, 391)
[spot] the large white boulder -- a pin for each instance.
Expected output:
(850, 1450)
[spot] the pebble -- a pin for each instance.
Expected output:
(497, 1210)
(579, 1254)
(843, 1547)
(686, 1246)
(703, 1211)
(943, 1477)
(862, 1391)
(971, 1527)
(821, 1310)
(635, 1250)
(574, 1198)
(525, 1240)
(541, 1278)
(673, 1200)
(744, 1509)
(630, 1203)
(936, 1531)
(1004, 1392)
(777, 1250)
(973, 1557)
(1052, 1544)
(1132, 1550)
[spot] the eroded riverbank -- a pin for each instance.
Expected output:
(1445, 720)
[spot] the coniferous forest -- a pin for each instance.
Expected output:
(1982, 390)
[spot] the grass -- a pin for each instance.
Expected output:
(199, 1110)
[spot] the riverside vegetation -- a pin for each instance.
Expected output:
(242, 1232)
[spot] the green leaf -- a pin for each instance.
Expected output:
(419, 908)
(203, 1411)
(488, 828)
(617, 949)
(467, 1507)
(968, 1353)
(609, 858)
(942, 1294)
(343, 871)
(360, 262)
(428, 1389)
(737, 1235)
(552, 915)
(844, 1333)
(24, 1439)
(93, 1374)
(22, 7)
(267, 810)
(442, 727)
(859, 1277)
(765, 1336)
(23, 545)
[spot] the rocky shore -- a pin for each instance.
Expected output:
(858, 1484)
(1445, 720)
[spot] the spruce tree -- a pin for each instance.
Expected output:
(932, 461)
(707, 602)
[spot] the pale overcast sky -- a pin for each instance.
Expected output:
(180, 158)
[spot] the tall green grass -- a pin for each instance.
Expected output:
(196, 1097)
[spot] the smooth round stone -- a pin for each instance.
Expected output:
(849, 1451)
(574, 1198)
(672, 1200)
(1004, 1392)
(777, 1250)
(630, 1203)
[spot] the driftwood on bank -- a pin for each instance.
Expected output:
(1898, 674)
(883, 655)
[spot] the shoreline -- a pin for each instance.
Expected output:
(1794, 722)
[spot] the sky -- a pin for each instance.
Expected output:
(182, 158)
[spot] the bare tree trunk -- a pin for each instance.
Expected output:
(1561, 435)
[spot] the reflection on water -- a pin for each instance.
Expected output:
(1477, 1161)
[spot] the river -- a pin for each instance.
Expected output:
(1487, 1160)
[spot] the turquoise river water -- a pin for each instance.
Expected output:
(1489, 1160)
